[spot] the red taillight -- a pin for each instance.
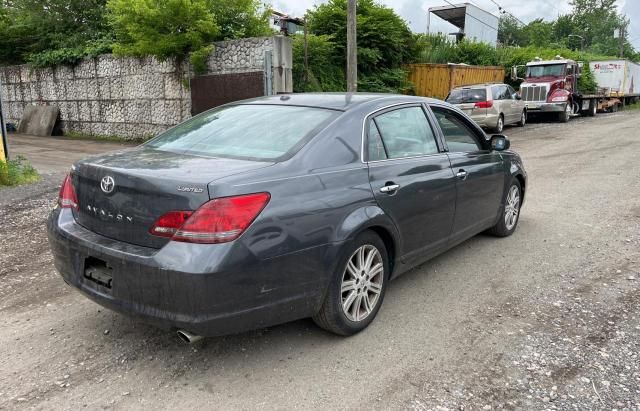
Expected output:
(67, 197)
(217, 221)
(169, 223)
(484, 104)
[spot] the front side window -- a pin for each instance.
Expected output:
(501, 93)
(252, 131)
(403, 132)
(459, 136)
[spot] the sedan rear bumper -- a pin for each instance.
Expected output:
(174, 289)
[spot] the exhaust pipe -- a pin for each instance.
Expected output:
(187, 337)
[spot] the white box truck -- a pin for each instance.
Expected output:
(618, 78)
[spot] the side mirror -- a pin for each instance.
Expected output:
(500, 142)
(517, 96)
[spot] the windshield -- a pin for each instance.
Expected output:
(467, 96)
(250, 132)
(554, 70)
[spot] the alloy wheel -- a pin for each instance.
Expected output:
(512, 208)
(362, 283)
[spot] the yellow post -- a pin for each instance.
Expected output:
(3, 155)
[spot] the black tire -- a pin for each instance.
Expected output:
(593, 108)
(331, 316)
(501, 229)
(523, 119)
(499, 125)
(563, 117)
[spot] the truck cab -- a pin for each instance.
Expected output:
(549, 85)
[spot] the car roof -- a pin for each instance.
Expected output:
(334, 101)
(479, 85)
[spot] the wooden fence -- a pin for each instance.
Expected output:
(436, 80)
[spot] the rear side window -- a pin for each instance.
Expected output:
(403, 132)
(461, 96)
(251, 132)
(459, 137)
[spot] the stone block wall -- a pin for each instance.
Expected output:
(126, 97)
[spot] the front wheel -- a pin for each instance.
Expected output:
(566, 114)
(523, 119)
(357, 288)
(510, 214)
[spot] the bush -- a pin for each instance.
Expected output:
(17, 171)
(586, 82)
(325, 72)
(384, 44)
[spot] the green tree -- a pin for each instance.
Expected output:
(385, 41)
(384, 38)
(42, 31)
(538, 33)
(509, 31)
(240, 18)
(162, 28)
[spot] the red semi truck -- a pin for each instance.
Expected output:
(550, 87)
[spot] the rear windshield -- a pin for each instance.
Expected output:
(249, 132)
(466, 95)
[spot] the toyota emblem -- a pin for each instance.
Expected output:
(107, 184)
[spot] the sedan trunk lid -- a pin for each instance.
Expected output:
(122, 194)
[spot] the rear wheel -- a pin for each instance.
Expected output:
(593, 108)
(510, 212)
(357, 288)
(523, 119)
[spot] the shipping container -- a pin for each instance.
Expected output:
(617, 78)
(436, 80)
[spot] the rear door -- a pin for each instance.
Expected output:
(479, 173)
(411, 178)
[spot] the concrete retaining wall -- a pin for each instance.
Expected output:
(131, 97)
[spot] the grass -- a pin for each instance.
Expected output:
(635, 106)
(17, 171)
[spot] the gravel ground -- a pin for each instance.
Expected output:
(546, 319)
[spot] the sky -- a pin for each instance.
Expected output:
(415, 11)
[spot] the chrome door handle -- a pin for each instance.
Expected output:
(461, 174)
(390, 188)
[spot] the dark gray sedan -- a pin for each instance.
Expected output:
(279, 208)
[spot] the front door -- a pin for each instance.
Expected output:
(411, 179)
(479, 172)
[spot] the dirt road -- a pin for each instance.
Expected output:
(548, 318)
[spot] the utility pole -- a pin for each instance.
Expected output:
(622, 30)
(306, 54)
(352, 48)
